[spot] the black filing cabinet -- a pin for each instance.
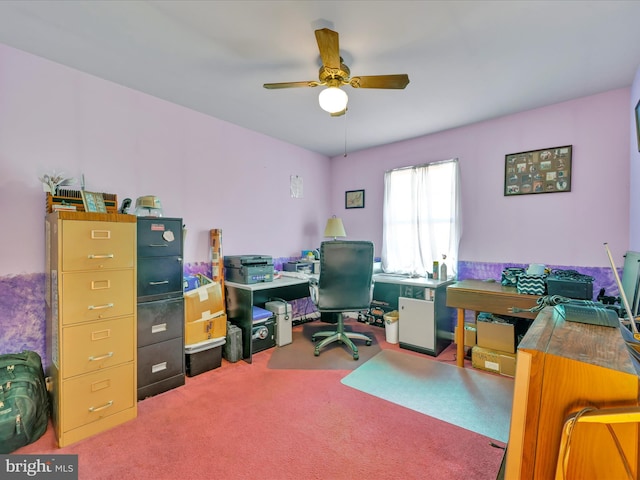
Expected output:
(160, 306)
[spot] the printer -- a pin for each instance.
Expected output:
(248, 268)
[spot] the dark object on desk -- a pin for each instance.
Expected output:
(510, 276)
(589, 314)
(124, 208)
(302, 267)
(571, 284)
(345, 285)
(248, 268)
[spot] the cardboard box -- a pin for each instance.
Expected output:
(204, 302)
(496, 336)
(205, 329)
(469, 334)
(494, 361)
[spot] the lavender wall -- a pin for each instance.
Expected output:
(634, 176)
(555, 229)
(211, 173)
(217, 175)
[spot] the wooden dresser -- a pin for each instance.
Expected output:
(91, 321)
(562, 368)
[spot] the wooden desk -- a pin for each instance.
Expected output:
(480, 296)
(561, 368)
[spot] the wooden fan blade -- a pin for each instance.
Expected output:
(273, 86)
(380, 81)
(328, 45)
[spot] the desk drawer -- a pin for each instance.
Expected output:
(90, 245)
(159, 321)
(159, 237)
(97, 345)
(97, 295)
(91, 397)
(160, 361)
(159, 275)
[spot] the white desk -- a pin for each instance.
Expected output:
(426, 324)
(406, 280)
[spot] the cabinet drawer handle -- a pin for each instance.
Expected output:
(159, 367)
(100, 307)
(97, 409)
(100, 234)
(101, 357)
(157, 245)
(159, 283)
(93, 257)
(162, 327)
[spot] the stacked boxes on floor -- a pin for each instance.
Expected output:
(495, 350)
(205, 327)
(469, 336)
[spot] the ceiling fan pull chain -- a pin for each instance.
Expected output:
(345, 133)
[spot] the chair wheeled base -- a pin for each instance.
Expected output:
(339, 336)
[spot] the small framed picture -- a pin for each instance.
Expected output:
(354, 199)
(93, 202)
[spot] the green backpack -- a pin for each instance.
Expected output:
(24, 401)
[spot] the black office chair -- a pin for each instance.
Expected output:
(345, 285)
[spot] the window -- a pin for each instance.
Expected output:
(421, 218)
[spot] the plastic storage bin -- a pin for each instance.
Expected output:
(204, 356)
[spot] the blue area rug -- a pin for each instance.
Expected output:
(471, 399)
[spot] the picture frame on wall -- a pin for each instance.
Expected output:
(547, 170)
(354, 199)
(638, 123)
(93, 202)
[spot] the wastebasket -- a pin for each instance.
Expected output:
(391, 326)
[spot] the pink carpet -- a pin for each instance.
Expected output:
(246, 421)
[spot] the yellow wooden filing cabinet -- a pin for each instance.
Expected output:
(91, 321)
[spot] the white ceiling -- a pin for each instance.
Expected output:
(467, 61)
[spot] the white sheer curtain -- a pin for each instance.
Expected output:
(421, 218)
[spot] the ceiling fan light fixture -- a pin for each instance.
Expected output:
(333, 99)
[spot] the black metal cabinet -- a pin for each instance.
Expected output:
(160, 306)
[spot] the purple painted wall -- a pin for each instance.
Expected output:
(217, 175)
(634, 175)
(555, 228)
(209, 172)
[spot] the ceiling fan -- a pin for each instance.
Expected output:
(334, 74)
